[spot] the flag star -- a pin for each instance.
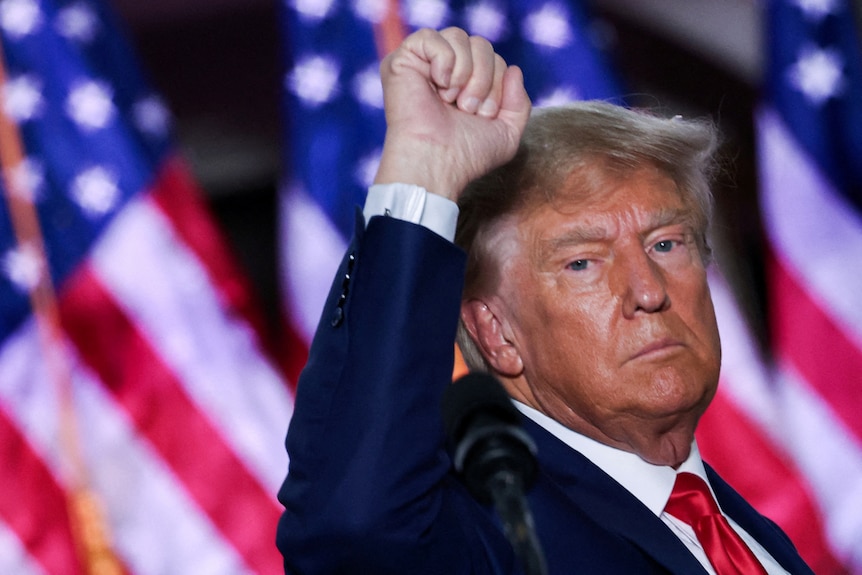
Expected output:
(373, 11)
(96, 191)
(90, 104)
(313, 10)
(427, 13)
(24, 267)
(22, 98)
(487, 20)
(561, 95)
(151, 116)
(817, 9)
(366, 168)
(20, 17)
(818, 74)
(368, 88)
(314, 80)
(548, 27)
(78, 22)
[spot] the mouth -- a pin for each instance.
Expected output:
(658, 349)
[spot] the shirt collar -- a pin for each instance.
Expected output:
(650, 484)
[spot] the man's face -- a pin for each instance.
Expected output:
(604, 298)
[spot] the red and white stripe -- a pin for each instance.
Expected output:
(181, 414)
(311, 249)
(798, 423)
(743, 434)
(815, 276)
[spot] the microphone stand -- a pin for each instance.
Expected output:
(507, 493)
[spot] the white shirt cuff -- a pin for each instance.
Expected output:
(413, 204)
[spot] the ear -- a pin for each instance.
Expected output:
(489, 333)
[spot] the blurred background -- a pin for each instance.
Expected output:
(220, 66)
(186, 172)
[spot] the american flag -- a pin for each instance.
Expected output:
(798, 417)
(141, 420)
(810, 162)
(334, 108)
(785, 441)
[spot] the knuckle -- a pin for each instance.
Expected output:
(453, 31)
(481, 43)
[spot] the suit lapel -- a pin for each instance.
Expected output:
(767, 533)
(608, 503)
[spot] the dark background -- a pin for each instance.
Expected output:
(218, 64)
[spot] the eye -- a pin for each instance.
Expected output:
(665, 246)
(579, 265)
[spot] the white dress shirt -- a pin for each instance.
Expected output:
(650, 484)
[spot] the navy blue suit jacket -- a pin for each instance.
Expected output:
(370, 487)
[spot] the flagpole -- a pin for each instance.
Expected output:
(85, 514)
(390, 31)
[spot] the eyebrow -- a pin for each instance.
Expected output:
(667, 217)
(575, 236)
(589, 234)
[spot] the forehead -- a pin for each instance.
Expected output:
(595, 183)
(586, 207)
(598, 203)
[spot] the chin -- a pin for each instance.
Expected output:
(671, 453)
(679, 404)
(673, 445)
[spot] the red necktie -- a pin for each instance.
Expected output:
(692, 503)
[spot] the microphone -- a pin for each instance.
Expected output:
(495, 458)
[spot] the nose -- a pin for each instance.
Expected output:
(642, 284)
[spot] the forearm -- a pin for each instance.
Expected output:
(368, 488)
(366, 441)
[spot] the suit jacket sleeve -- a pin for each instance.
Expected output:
(368, 490)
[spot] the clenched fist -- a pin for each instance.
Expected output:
(454, 111)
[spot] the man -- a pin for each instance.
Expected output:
(585, 293)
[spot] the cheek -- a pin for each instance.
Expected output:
(561, 335)
(704, 321)
(574, 339)
(713, 342)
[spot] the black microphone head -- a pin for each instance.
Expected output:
(483, 425)
(472, 394)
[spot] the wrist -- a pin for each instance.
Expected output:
(421, 165)
(413, 204)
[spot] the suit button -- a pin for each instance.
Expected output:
(338, 316)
